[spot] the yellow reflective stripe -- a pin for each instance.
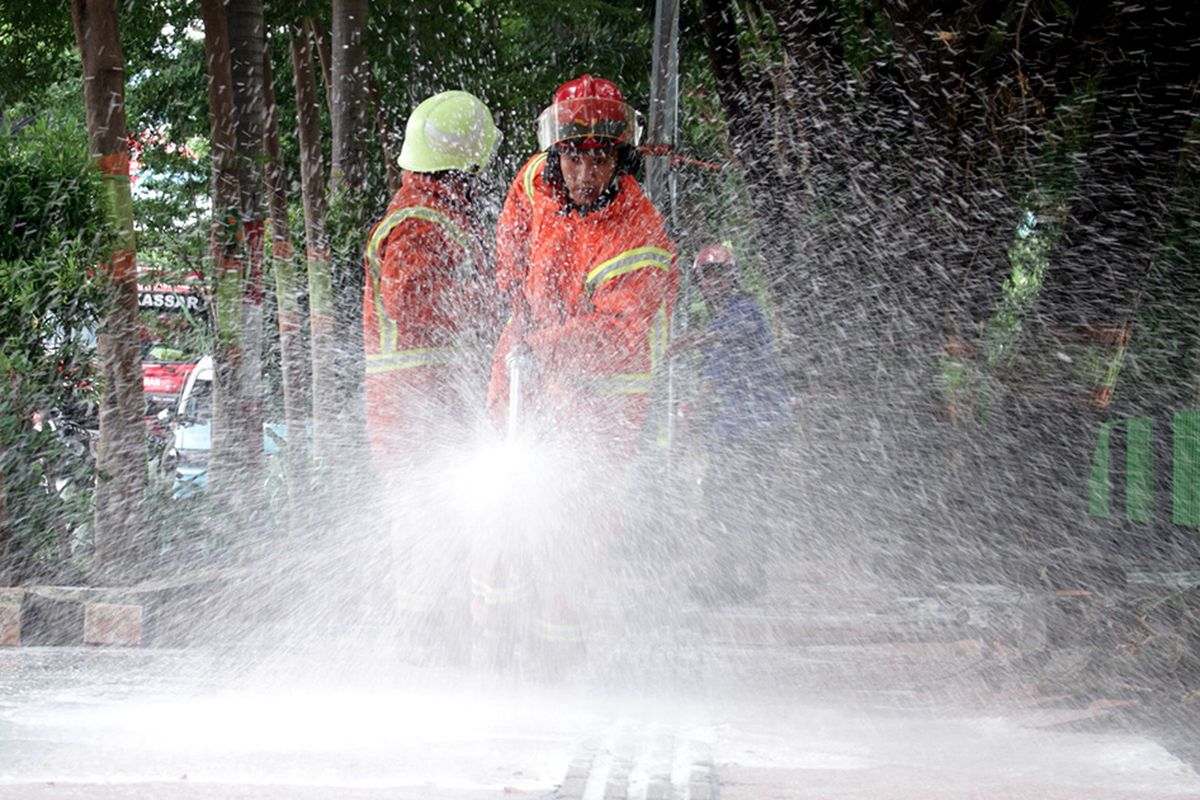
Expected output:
(494, 596)
(556, 632)
(658, 337)
(638, 382)
(626, 383)
(406, 359)
(629, 261)
(450, 228)
(531, 172)
(387, 326)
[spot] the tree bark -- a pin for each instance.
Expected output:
(121, 451)
(227, 254)
(347, 211)
(320, 38)
(246, 51)
(287, 292)
(5, 529)
(385, 138)
(316, 241)
(775, 190)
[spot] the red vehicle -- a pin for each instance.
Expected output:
(165, 368)
(162, 381)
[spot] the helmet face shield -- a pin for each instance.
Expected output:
(585, 122)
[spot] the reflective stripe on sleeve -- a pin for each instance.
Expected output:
(406, 359)
(385, 226)
(629, 261)
(638, 382)
(627, 383)
(387, 326)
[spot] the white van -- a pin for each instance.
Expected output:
(192, 435)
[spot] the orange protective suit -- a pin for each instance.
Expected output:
(593, 298)
(428, 319)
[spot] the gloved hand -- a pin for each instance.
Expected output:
(520, 314)
(520, 359)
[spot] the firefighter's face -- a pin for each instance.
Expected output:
(716, 283)
(587, 173)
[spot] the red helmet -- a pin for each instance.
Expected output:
(588, 113)
(715, 255)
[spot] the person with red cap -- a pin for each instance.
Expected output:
(750, 417)
(585, 258)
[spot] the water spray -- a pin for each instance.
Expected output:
(519, 363)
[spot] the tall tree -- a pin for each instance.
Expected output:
(247, 48)
(750, 93)
(316, 244)
(227, 256)
(350, 103)
(287, 293)
(6, 536)
(121, 452)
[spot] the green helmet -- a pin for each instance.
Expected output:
(449, 131)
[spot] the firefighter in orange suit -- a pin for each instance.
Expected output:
(430, 320)
(586, 260)
(428, 316)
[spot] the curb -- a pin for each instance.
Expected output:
(68, 616)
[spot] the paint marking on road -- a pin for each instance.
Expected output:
(632, 762)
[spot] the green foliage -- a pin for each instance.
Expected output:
(37, 49)
(49, 194)
(1165, 348)
(1029, 256)
(512, 55)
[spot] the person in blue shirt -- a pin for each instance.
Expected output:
(749, 419)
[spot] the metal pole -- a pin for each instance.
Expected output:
(663, 130)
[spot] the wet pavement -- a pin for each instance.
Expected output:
(698, 703)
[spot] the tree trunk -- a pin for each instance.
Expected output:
(228, 257)
(287, 291)
(246, 51)
(1107, 273)
(385, 138)
(749, 101)
(347, 212)
(5, 529)
(320, 38)
(316, 241)
(121, 451)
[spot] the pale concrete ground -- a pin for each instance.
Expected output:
(796, 695)
(774, 700)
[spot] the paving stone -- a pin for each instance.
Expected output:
(112, 624)
(572, 789)
(51, 620)
(701, 786)
(659, 789)
(10, 617)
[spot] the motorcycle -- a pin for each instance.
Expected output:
(68, 470)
